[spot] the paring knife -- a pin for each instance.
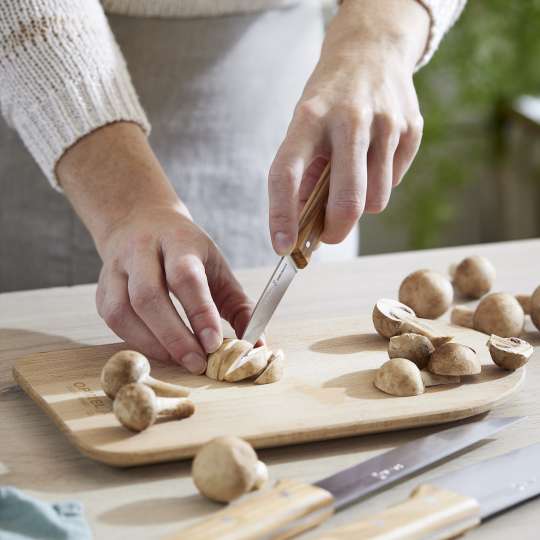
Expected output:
(292, 507)
(452, 504)
(310, 227)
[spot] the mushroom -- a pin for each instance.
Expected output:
(473, 276)
(237, 360)
(454, 359)
(497, 313)
(137, 407)
(391, 318)
(509, 353)
(431, 379)
(525, 302)
(414, 347)
(273, 372)
(531, 305)
(428, 293)
(399, 377)
(126, 367)
(227, 467)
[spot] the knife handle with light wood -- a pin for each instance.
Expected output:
(430, 513)
(286, 510)
(311, 224)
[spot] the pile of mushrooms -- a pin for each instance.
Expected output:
(126, 379)
(237, 360)
(227, 467)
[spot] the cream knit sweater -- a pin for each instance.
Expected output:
(62, 74)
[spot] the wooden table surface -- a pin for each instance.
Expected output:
(152, 501)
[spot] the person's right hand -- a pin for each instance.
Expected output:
(149, 246)
(151, 252)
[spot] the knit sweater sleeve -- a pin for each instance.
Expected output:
(62, 75)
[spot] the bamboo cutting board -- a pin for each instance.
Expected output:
(327, 392)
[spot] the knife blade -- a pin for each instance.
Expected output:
(310, 228)
(449, 505)
(292, 507)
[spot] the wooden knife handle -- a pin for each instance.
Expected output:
(429, 513)
(284, 511)
(311, 223)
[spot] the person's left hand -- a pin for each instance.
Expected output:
(360, 111)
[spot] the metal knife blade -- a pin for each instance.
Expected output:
(498, 483)
(351, 484)
(272, 294)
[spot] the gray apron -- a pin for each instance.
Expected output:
(219, 93)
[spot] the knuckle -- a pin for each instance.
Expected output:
(416, 125)
(282, 178)
(144, 295)
(201, 311)
(114, 313)
(309, 112)
(280, 218)
(377, 204)
(388, 124)
(175, 343)
(349, 204)
(186, 273)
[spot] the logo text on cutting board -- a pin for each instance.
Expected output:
(92, 400)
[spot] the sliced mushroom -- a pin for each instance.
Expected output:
(454, 359)
(473, 276)
(126, 367)
(391, 318)
(227, 467)
(432, 379)
(399, 377)
(509, 353)
(137, 407)
(414, 347)
(428, 293)
(273, 372)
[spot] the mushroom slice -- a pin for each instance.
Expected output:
(427, 292)
(273, 372)
(454, 359)
(248, 364)
(127, 367)
(473, 276)
(399, 377)
(509, 353)
(216, 358)
(414, 347)
(391, 318)
(239, 349)
(431, 379)
(227, 467)
(137, 407)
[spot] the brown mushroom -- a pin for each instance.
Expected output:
(399, 377)
(137, 407)
(273, 372)
(414, 347)
(227, 467)
(126, 367)
(454, 359)
(428, 293)
(473, 276)
(391, 318)
(531, 305)
(497, 313)
(509, 353)
(525, 302)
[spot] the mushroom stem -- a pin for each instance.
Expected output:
(162, 388)
(452, 270)
(261, 476)
(174, 407)
(525, 302)
(462, 316)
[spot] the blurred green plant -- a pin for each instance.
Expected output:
(489, 58)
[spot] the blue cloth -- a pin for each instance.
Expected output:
(23, 517)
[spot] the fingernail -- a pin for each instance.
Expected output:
(195, 363)
(282, 243)
(210, 340)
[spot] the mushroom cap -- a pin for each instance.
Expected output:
(500, 314)
(388, 316)
(273, 372)
(135, 406)
(509, 353)
(535, 307)
(454, 359)
(122, 368)
(225, 468)
(399, 377)
(474, 276)
(220, 361)
(428, 293)
(413, 347)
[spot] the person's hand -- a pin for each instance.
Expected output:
(360, 111)
(150, 247)
(152, 252)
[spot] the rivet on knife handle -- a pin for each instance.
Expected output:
(430, 512)
(282, 512)
(311, 223)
